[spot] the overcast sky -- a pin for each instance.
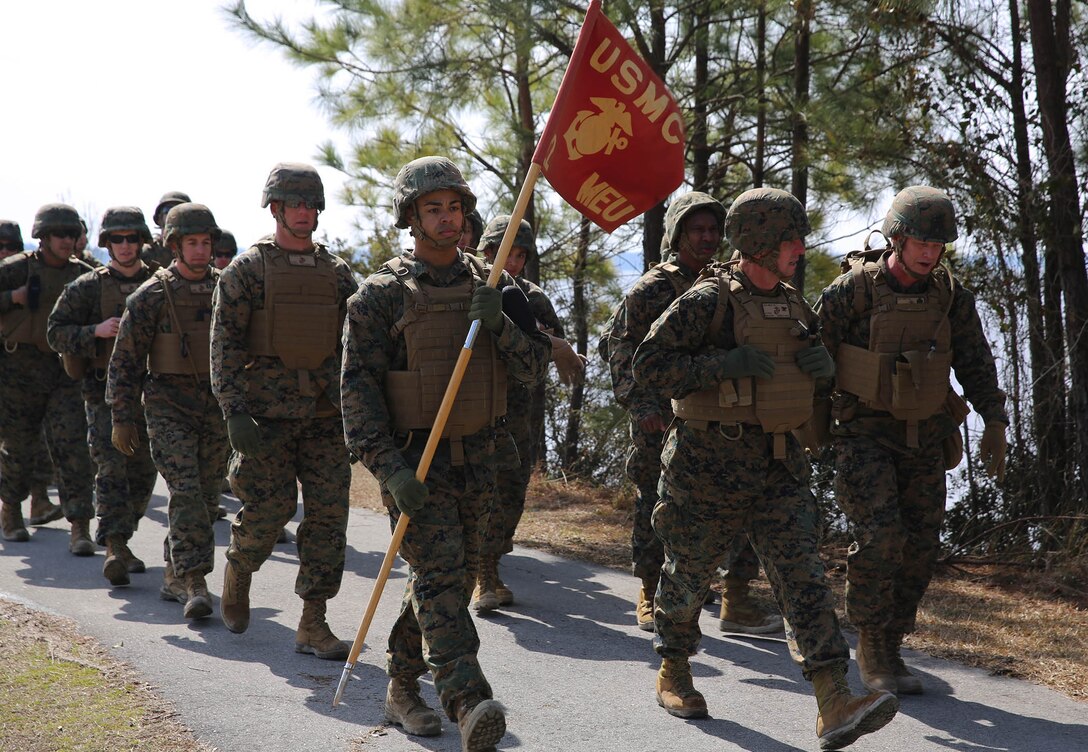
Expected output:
(116, 102)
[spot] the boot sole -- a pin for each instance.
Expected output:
(876, 718)
(486, 602)
(738, 628)
(683, 712)
(484, 727)
(116, 573)
(197, 608)
(45, 519)
(647, 626)
(135, 566)
(431, 727)
(236, 626)
(338, 654)
(79, 549)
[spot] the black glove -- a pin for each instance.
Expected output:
(516, 307)
(408, 493)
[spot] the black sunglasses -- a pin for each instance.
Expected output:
(118, 239)
(71, 234)
(10, 245)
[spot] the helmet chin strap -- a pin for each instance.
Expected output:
(417, 231)
(897, 248)
(301, 235)
(769, 261)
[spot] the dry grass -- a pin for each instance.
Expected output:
(1025, 625)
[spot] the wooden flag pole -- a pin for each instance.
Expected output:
(436, 430)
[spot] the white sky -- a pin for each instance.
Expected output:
(118, 101)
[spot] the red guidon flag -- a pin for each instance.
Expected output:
(614, 143)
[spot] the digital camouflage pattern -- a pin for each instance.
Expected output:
(123, 485)
(921, 212)
(119, 218)
(496, 228)
(759, 219)
(425, 175)
(294, 182)
(188, 436)
(683, 207)
(895, 496)
(156, 254)
(189, 219)
(516, 450)
(301, 434)
(169, 200)
(714, 487)
(35, 391)
(442, 543)
(52, 217)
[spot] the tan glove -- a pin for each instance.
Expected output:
(571, 365)
(126, 438)
(992, 449)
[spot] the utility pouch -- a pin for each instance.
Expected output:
(952, 450)
(905, 381)
(74, 365)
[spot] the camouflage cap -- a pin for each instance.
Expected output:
(760, 219)
(169, 200)
(684, 206)
(226, 242)
(123, 218)
(294, 182)
(55, 217)
(496, 228)
(923, 213)
(189, 219)
(10, 232)
(425, 175)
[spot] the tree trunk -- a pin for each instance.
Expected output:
(527, 136)
(700, 150)
(580, 314)
(653, 221)
(799, 135)
(758, 168)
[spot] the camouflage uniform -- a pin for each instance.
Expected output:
(187, 434)
(35, 390)
(123, 485)
(156, 251)
(442, 543)
(894, 493)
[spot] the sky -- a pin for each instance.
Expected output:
(116, 102)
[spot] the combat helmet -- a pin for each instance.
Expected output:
(684, 206)
(10, 232)
(496, 228)
(294, 183)
(425, 175)
(226, 242)
(52, 217)
(474, 220)
(169, 200)
(759, 219)
(922, 212)
(189, 219)
(123, 218)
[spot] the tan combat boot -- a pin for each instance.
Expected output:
(675, 691)
(172, 588)
(741, 614)
(314, 635)
(906, 683)
(234, 603)
(503, 593)
(644, 609)
(198, 604)
(484, 598)
(482, 726)
(42, 510)
(872, 658)
(11, 523)
(80, 543)
(132, 564)
(114, 569)
(405, 708)
(843, 718)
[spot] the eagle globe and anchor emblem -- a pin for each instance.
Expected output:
(591, 132)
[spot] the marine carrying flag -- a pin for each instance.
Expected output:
(614, 143)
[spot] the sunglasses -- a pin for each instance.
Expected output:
(10, 246)
(118, 239)
(295, 204)
(68, 233)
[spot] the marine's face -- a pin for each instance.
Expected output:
(124, 246)
(700, 239)
(61, 243)
(921, 256)
(790, 253)
(515, 261)
(196, 251)
(441, 217)
(297, 215)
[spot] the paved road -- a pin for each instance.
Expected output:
(574, 672)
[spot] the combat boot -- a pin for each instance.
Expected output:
(741, 614)
(234, 603)
(314, 635)
(132, 564)
(80, 543)
(644, 609)
(198, 604)
(484, 598)
(843, 718)
(172, 588)
(675, 691)
(482, 725)
(503, 593)
(11, 523)
(906, 683)
(113, 569)
(405, 708)
(42, 510)
(872, 658)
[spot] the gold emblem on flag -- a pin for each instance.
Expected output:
(591, 132)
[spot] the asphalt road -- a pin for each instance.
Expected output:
(567, 661)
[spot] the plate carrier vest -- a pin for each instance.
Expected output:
(774, 325)
(186, 348)
(905, 370)
(21, 326)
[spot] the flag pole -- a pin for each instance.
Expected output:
(436, 430)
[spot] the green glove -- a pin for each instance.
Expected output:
(743, 361)
(407, 492)
(244, 434)
(816, 362)
(487, 307)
